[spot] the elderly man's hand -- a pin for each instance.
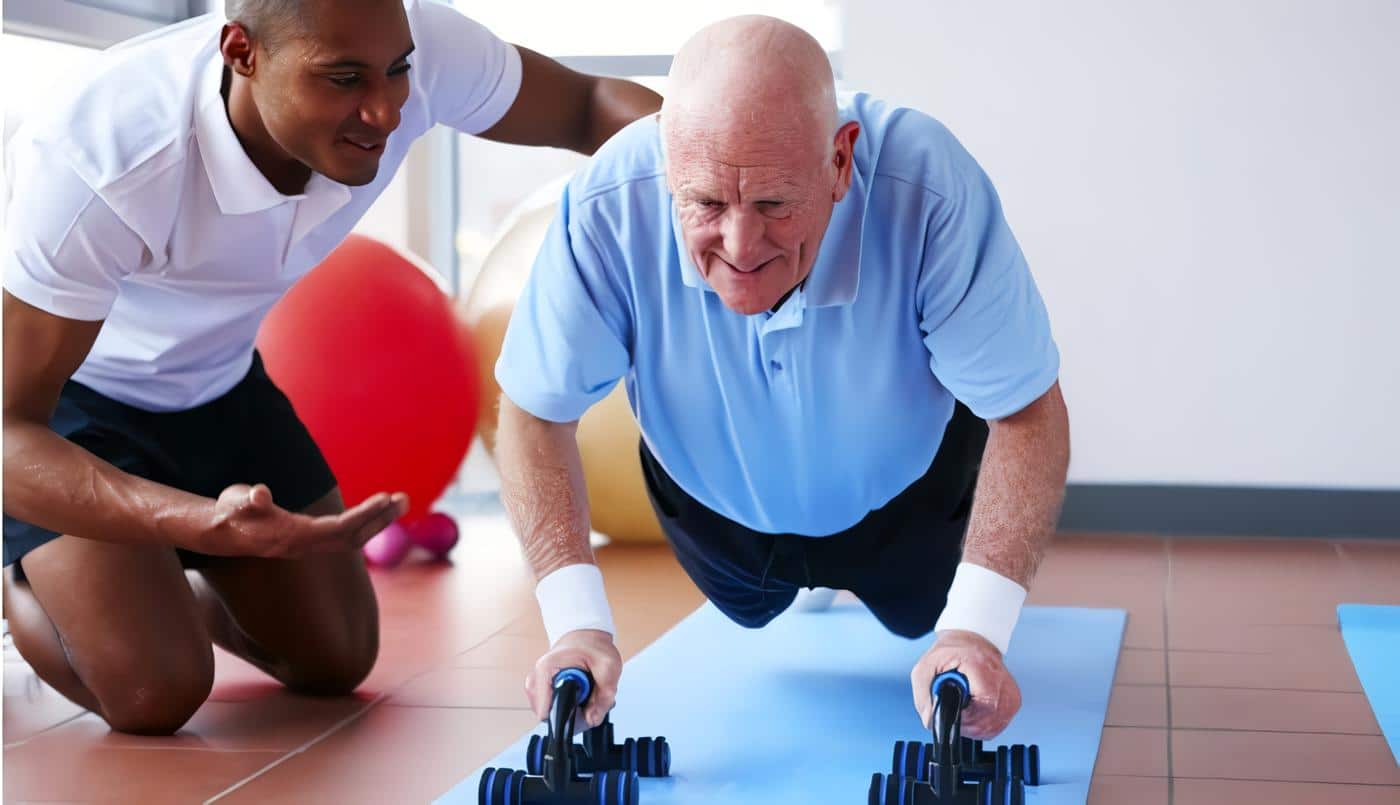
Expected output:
(589, 649)
(995, 695)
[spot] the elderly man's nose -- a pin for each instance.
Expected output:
(743, 232)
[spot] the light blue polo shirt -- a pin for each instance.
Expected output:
(803, 420)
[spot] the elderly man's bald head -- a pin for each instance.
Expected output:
(756, 74)
(755, 156)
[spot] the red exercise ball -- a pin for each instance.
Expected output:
(367, 349)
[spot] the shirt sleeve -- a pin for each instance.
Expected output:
(567, 342)
(469, 75)
(67, 251)
(984, 322)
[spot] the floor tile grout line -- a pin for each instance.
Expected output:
(1167, 662)
(50, 728)
(300, 749)
(1219, 651)
(1246, 780)
(266, 750)
(1277, 732)
(1332, 692)
(1269, 690)
(383, 696)
(483, 641)
(1295, 782)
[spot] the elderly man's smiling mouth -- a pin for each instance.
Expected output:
(754, 270)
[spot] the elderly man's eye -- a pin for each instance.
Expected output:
(710, 204)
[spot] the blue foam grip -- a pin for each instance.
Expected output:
(501, 787)
(751, 695)
(957, 678)
(483, 789)
(656, 754)
(1372, 636)
(614, 788)
(585, 684)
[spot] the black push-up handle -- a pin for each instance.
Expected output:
(1018, 760)
(596, 751)
(943, 775)
(559, 782)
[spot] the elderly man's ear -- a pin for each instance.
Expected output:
(845, 148)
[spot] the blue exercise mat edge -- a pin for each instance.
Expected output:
(1371, 633)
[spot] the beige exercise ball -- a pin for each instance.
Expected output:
(607, 434)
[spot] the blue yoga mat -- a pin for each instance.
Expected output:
(807, 708)
(1372, 635)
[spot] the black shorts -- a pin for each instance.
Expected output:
(249, 435)
(899, 559)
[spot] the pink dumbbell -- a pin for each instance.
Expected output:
(437, 534)
(388, 547)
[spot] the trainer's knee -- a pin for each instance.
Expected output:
(144, 697)
(335, 666)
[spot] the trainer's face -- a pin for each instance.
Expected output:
(330, 96)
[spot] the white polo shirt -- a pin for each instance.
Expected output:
(131, 200)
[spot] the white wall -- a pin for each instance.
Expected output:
(1209, 195)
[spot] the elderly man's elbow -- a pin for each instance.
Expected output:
(516, 419)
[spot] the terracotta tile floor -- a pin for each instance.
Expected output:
(1233, 686)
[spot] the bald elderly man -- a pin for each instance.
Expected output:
(826, 328)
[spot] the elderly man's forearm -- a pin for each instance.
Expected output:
(1020, 490)
(543, 489)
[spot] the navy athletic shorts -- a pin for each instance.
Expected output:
(249, 435)
(899, 559)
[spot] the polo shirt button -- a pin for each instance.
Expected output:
(777, 367)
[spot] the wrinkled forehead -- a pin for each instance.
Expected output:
(734, 155)
(706, 180)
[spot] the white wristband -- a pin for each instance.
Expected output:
(982, 601)
(572, 598)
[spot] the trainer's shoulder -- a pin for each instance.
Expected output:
(133, 109)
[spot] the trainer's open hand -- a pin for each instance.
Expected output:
(247, 523)
(593, 651)
(995, 695)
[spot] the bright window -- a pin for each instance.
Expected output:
(631, 27)
(98, 23)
